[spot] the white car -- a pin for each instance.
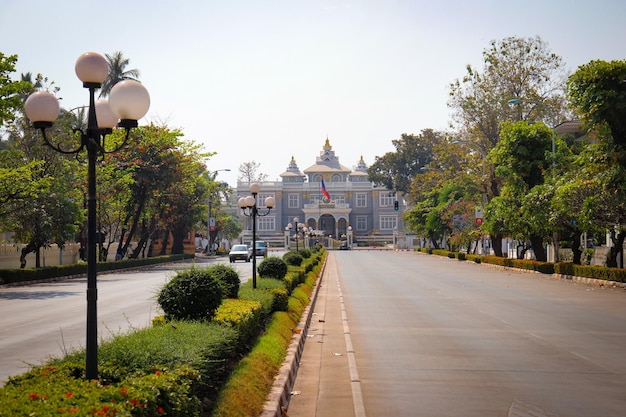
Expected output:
(240, 252)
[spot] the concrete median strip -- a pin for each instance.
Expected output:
(278, 399)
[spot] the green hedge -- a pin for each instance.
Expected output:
(247, 389)
(10, 276)
(245, 316)
(528, 264)
(564, 268)
(591, 271)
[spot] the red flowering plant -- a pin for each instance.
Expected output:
(56, 391)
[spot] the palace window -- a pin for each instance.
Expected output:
(361, 199)
(294, 200)
(361, 223)
(386, 199)
(266, 223)
(388, 222)
(260, 200)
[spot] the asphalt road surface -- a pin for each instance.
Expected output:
(437, 337)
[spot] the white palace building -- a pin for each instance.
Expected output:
(357, 211)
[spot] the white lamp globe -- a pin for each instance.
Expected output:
(129, 99)
(42, 107)
(250, 201)
(255, 188)
(105, 116)
(92, 67)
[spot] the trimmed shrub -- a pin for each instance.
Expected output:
(51, 273)
(270, 292)
(242, 315)
(193, 294)
(273, 267)
(591, 271)
(227, 278)
(56, 390)
(305, 253)
(293, 258)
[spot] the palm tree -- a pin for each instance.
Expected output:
(117, 72)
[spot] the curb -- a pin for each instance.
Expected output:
(280, 393)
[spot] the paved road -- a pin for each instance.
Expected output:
(438, 337)
(42, 320)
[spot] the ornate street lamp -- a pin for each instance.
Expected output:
(249, 207)
(128, 102)
(296, 227)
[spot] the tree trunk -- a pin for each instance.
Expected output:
(146, 232)
(165, 242)
(576, 250)
(618, 243)
(135, 222)
(433, 240)
(496, 244)
(178, 235)
(32, 246)
(537, 244)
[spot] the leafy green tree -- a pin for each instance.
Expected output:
(46, 207)
(395, 170)
(158, 189)
(522, 68)
(20, 181)
(228, 227)
(597, 92)
(11, 92)
(521, 158)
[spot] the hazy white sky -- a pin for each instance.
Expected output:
(266, 80)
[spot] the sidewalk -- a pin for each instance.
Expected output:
(327, 381)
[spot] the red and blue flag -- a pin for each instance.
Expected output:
(324, 190)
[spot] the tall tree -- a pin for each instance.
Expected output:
(249, 172)
(514, 68)
(521, 158)
(396, 170)
(12, 93)
(52, 212)
(597, 92)
(117, 72)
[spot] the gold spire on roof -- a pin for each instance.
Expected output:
(327, 144)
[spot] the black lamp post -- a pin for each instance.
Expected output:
(249, 207)
(128, 102)
(297, 226)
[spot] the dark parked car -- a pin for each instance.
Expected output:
(240, 252)
(261, 248)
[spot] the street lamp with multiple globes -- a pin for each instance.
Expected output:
(295, 227)
(249, 207)
(128, 102)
